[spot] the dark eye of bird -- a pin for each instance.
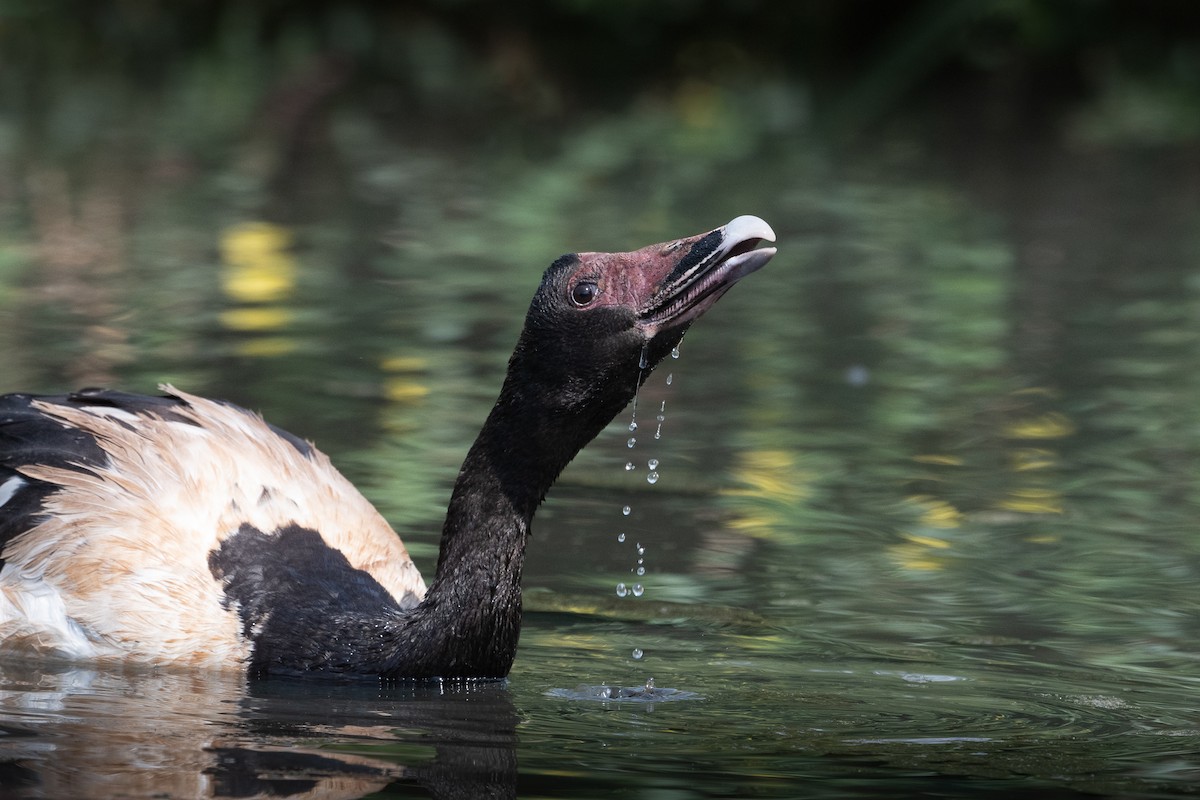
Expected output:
(584, 292)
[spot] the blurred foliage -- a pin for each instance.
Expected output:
(192, 78)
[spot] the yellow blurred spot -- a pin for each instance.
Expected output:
(938, 513)
(1051, 425)
(256, 267)
(1044, 538)
(915, 557)
(267, 281)
(768, 474)
(246, 241)
(932, 458)
(265, 347)
(769, 482)
(927, 541)
(1033, 501)
(767, 459)
(399, 390)
(942, 516)
(404, 364)
(760, 526)
(1033, 458)
(255, 319)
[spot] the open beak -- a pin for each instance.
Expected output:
(705, 267)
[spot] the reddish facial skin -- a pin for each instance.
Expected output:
(671, 283)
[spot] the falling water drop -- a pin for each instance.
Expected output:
(632, 425)
(670, 377)
(643, 360)
(622, 590)
(641, 550)
(626, 510)
(640, 571)
(675, 351)
(632, 441)
(629, 467)
(652, 478)
(620, 537)
(638, 590)
(652, 463)
(637, 654)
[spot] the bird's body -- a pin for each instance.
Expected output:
(177, 530)
(114, 562)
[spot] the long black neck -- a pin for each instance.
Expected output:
(308, 610)
(469, 623)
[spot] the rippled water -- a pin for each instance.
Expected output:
(925, 516)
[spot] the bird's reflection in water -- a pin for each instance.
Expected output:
(96, 734)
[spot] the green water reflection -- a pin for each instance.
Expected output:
(926, 515)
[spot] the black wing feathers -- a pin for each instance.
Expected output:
(29, 436)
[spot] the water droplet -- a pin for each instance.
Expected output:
(637, 654)
(629, 467)
(626, 510)
(622, 590)
(605, 692)
(670, 377)
(633, 425)
(643, 360)
(620, 537)
(632, 441)
(661, 417)
(649, 683)
(675, 351)
(652, 477)
(641, 550)
(652, 463)
(641, 571)
(658, 434)
(638, 590)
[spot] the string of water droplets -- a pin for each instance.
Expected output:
(636, 589)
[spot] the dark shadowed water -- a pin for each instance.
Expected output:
(925, 520)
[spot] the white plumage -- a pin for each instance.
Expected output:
(119, 567)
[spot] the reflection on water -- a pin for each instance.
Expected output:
(765, 728)
(82, 733)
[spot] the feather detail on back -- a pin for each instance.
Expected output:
(115, 562)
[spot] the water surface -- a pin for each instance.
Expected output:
(926, 514)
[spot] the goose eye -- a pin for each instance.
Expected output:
(584, 293)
